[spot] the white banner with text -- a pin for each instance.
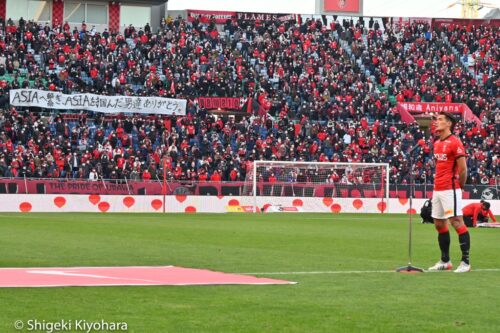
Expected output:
(97, 103)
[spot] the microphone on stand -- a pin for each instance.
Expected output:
(410, 268)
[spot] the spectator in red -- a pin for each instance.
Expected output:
(216, 177)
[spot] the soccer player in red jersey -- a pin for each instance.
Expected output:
(451, 174)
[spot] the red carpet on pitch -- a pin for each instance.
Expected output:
(123, 276)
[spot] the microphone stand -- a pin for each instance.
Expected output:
(410, 268)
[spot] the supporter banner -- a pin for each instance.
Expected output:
(438, 22)
(221, 17)
(398, 22)
(265, 17)
(230, 103)
(424, 107)
(205, 16)
(97, 103)
(62, 186)
(407, 109)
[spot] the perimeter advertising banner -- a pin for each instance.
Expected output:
(105, 204)
(333, 7)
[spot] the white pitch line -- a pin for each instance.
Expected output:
(52, 272)
(312, 273)
(19, 216)
(486, 270)
(333, 218)
(352, 272)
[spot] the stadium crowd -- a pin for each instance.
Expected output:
(481, 44)
(313, 102)
(415, 64)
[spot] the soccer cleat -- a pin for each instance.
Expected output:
(462, 268)
(441, 266)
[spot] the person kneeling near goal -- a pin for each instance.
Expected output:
(451, 174)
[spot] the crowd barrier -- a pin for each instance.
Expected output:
(122, 187)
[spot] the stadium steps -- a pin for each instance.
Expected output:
(347, 48)
(10, 78)
(392, 99)
(38, 59)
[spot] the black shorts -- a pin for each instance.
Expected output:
(480, 219)
(468, 221)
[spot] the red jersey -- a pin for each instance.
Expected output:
(446, 152)
(474, 209)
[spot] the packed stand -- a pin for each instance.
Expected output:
(204, 148)
(480, 44)
(415, 64)
(318, 105)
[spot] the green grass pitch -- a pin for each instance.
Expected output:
(254, 243)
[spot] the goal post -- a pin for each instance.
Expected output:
(319, 186)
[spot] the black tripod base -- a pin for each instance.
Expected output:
(409, 269)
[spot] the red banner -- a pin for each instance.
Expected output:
(467, 22)
(348, 6)
(398, 22)
(205, 16)
(424, 107)
(221, 17)
(265, 17)
(228, 103)
(408, 109)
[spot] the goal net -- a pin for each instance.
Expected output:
(318, 186)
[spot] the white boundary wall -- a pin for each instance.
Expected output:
(200, 204)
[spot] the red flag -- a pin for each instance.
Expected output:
(249, 105)
(164, 187)
(262, 111)
(172, 88)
